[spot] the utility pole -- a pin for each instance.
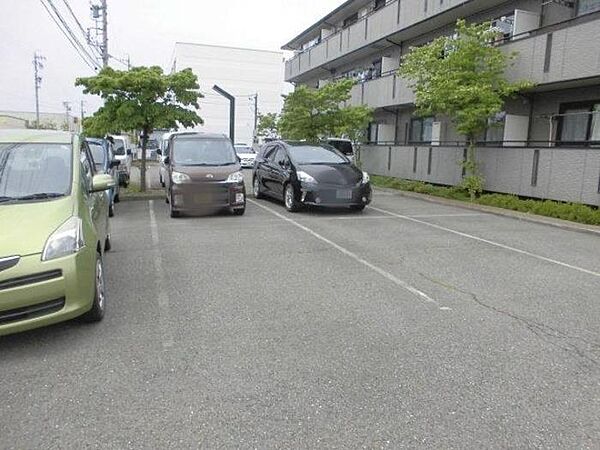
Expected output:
(128, 63)
(82, 116)
(104, 34)
(67, 106)
(255, 118)
(38, 65)
(100, 30)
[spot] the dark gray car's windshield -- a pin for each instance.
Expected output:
(308, 154)
(34, 171)
(203, 152)
(99, 155)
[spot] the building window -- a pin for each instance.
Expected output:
(495, 130)
(505, 27)
(350, 20)
(587, 6)
(579, 123)
(373, 132)
(420, 129)
(379, 4)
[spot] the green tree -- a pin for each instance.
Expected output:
(142, 99)
(463, 77)
(268, 125)
(313, 114)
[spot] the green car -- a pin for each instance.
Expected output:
(54, 230)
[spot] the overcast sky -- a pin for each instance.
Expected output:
(144, 29)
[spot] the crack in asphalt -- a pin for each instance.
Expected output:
(544, 332)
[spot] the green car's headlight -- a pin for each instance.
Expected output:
(66, 240)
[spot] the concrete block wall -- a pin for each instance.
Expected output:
(565, 174)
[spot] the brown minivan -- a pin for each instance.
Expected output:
(203, 175)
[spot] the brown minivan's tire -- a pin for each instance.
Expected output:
(99, 303)
(239, 211)
(107, 243)
(357, 207)
(172, 212)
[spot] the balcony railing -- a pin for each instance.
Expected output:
(394, 16)
(571, 54)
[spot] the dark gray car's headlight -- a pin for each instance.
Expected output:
(304, 177)
(365, 178)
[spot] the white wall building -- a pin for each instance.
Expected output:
(241, 72)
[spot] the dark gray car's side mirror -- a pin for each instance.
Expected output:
(159, 151)
(128, 152)
(115, 163)
(167, 160)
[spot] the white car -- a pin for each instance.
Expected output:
(123, 153)
(246, 154)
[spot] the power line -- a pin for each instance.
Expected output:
(66, 31)
(83, 31)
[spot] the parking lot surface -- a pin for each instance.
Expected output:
(411, 324)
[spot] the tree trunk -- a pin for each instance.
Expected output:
(145, 136)
(472, 164)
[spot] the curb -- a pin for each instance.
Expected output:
(526, 217)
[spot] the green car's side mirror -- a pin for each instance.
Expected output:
(102, 182)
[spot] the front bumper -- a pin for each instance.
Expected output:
(335, 196)
(202, 196)
(37, 293)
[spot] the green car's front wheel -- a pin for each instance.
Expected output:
(99, 304)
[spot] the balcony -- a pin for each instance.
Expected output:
(396, 17)
(571, 55)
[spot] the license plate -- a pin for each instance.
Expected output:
(345, 194)
(202, 198)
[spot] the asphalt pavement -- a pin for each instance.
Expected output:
(409, 325)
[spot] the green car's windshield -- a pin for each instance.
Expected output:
(34, 171)
(203, 152)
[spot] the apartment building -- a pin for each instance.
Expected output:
(546, 142)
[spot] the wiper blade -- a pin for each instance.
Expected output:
(40, 196)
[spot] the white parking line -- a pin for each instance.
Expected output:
(163, 297)
(377, 217)
(487, 241)
(403, 284)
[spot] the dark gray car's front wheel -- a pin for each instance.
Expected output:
(256, 188)
(289, 198)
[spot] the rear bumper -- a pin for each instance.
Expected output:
(35, 294)
(336, 196)
(199, 197)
